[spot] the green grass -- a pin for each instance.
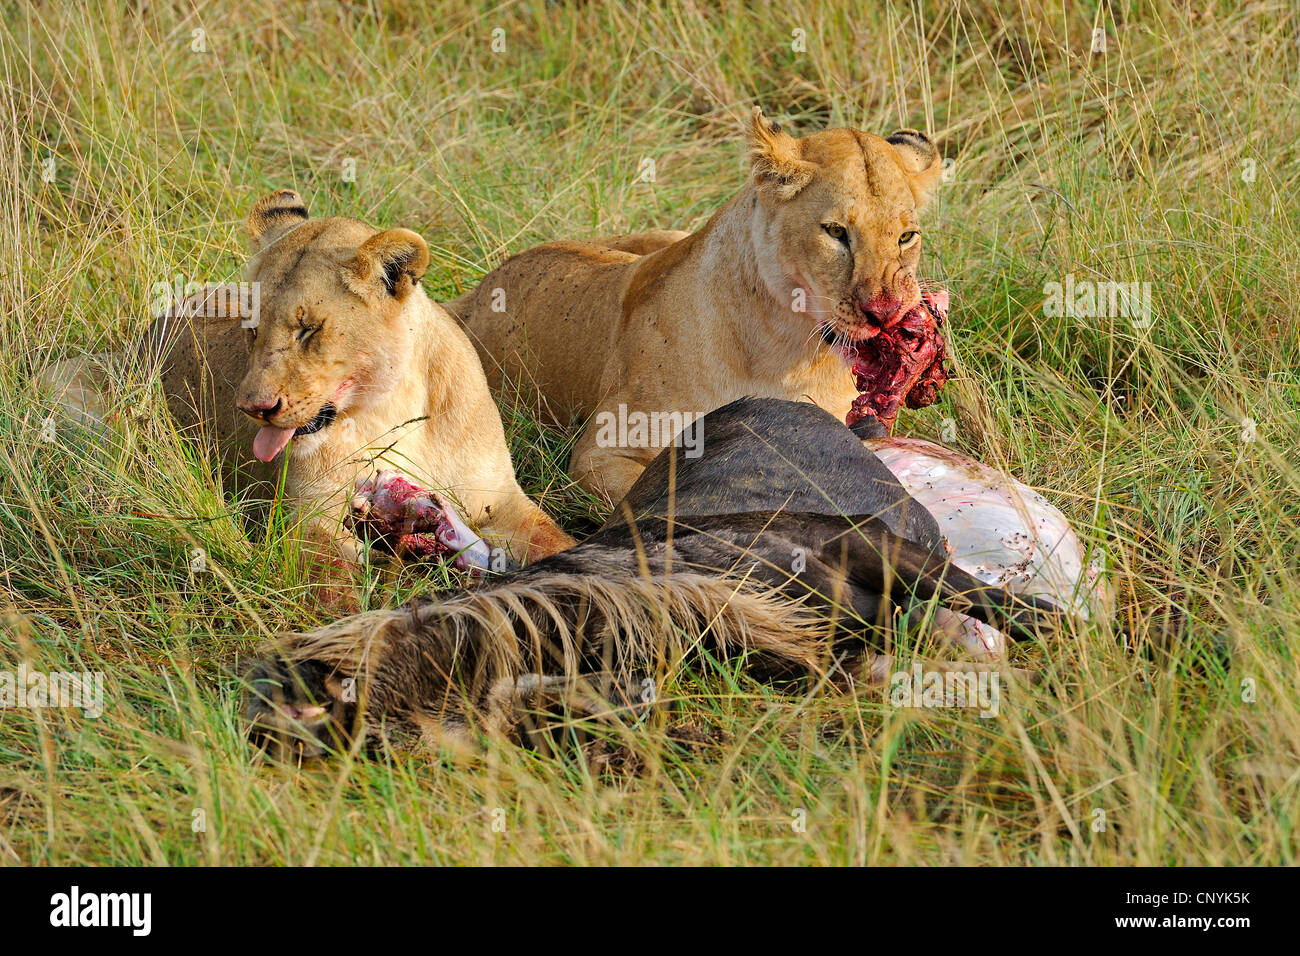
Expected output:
(1125, 166)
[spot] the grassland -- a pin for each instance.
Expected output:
(133, 146)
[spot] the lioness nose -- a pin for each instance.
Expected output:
(882, 307)
(263, 410)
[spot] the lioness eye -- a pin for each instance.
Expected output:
(304, 333)
(835, 230)
(907, 237)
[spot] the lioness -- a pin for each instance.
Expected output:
(818, 251)
(374, 389)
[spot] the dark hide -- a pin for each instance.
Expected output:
(766, 454)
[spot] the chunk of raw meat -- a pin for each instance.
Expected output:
(393, 513)
(900, 363)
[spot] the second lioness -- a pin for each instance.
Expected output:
(819, 250)
(355, 370)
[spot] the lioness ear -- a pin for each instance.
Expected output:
(919, 158)
(274, 215)
(778, 169)
(390, 262)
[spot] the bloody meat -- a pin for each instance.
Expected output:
(403, 518)
(901, 364)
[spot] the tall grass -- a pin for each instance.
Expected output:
(1170, 159)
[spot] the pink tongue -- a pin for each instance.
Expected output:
(270, 441)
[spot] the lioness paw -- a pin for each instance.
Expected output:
(393, 513)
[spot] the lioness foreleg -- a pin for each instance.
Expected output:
(525, 530)
(607, 473)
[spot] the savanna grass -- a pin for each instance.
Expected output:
(1170, 158)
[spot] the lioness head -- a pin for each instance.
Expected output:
(330, 336)
(840, 221)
